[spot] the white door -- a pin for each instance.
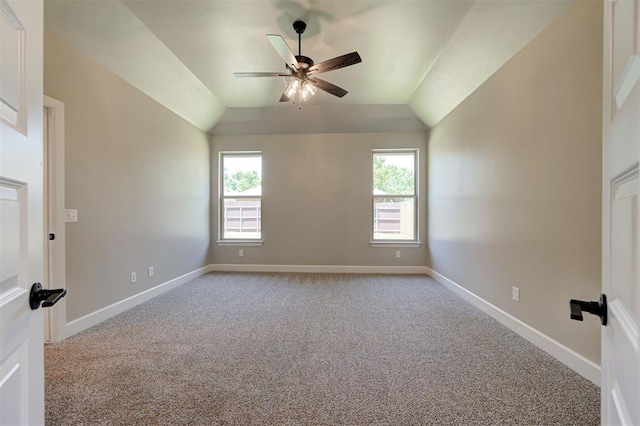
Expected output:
(621, 213)
(21, 215)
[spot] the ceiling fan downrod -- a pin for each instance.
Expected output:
(299, 27)
(304, 62)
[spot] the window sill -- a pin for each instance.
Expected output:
(395, 243)
(241, 243)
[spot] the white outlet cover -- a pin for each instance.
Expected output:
(133, 277)
(70, 215)
(515, 293)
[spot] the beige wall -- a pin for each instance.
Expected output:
(317, 199)
(514, 182)
(139, 176)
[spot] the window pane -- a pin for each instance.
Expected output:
(241, 218)
(394, 173)
(242, 174)
(393, 218)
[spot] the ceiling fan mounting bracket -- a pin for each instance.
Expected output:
(299, 26)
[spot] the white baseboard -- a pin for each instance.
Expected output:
(581, 365)
(338, 269)
(89, 320)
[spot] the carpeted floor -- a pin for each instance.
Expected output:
(309, 349)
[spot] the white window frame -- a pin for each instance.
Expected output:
(246, 242)
(415, 242)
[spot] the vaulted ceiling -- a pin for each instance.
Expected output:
(420, 58)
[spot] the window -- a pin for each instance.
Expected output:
(240, 196)
(395, 199)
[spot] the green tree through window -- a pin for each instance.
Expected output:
(391, 178)
(241, 181)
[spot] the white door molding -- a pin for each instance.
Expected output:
(55, 262)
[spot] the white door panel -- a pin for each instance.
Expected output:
(13, 376)
(621, 213)
(21, 215)
(13, 79)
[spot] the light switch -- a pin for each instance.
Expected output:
(71, 215)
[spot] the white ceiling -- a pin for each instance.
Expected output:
(421, 58)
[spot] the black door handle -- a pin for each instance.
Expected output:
(48, 297)
(598, 308)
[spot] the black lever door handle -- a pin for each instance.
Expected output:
(46, 297)
(598, 308)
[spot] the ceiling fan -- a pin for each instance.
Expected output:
(303, 70)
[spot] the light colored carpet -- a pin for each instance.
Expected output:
(309, 349)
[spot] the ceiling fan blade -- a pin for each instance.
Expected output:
(261, 74)
(328, 87)
(283, 50)
(336, 63)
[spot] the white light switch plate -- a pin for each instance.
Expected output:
(70, 215)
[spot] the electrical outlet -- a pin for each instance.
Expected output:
(515, 293)
(240, 252)
(151, 271)
(133, 277)
(398, 254)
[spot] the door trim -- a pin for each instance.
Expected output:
(55, 259)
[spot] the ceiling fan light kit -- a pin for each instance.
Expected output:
(302, 69)
(307, 91)
(292, 89)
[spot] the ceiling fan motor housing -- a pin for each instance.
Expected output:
(304, 61)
